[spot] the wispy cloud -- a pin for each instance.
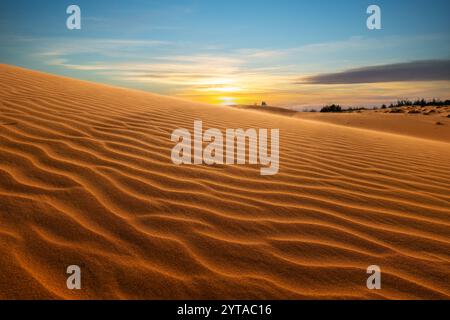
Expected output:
(425, 70)
(208, 73)
(105, 47)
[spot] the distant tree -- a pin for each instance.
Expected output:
(332, 108)
(420, 103)
(264, 104)
(396, 106)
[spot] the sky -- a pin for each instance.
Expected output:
(295, 54)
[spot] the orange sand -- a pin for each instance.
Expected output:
(432, 127)
(86, 178)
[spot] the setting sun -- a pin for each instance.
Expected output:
(227, 101)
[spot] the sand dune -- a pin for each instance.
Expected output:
(86, 178)
(434, 126)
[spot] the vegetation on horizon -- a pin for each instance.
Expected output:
(400, 103)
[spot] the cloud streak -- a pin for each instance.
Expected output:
(424, 70)
(247, 75)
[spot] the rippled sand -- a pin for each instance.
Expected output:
(86, 178)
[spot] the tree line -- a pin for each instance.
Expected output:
(400, 103)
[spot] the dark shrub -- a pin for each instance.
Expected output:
(332, 108)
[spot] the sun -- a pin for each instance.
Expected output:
(227, 101)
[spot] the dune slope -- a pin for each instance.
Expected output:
(432, 127)
(86, 179)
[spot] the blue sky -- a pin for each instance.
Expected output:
(231, 51)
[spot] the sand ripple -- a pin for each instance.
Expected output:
(86, 178)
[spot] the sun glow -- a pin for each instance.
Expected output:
(220, 89)
(227, 101)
